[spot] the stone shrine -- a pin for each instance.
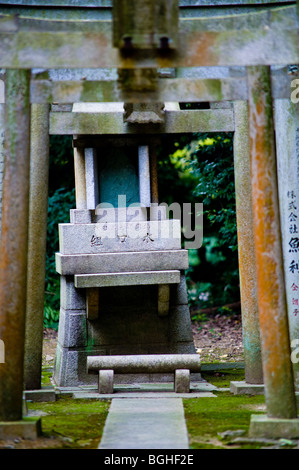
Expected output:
(121, 265)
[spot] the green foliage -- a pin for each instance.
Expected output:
(202, 170)
(61, 200)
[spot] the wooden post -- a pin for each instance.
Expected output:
(13, 262)
(277, 367)
(37, 238)
(246, 248)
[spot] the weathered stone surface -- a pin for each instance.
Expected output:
(144, 363)
(80, 216)
(182, 381)
(27, 428)
(144, 175)
(105, 213)
(119, 237)
(80, 181)
(42, 395)
(72, 330)
(91, 178)
(121, 262)
(178, 292)
(127, 279)
(273, 428)
(244, 388)
(106, 378)
(70, 297)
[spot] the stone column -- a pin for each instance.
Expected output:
(1, 157)
(144, 175)
(37, 238)
(91, 178)
(80, 182)
(246, 248)
(287, 144)
(277, 367)
(13, 262)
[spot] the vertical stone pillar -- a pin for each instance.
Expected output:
(277, 367)
(37, 238)
(1, 157)
(80, 182)
(13, 249)
(287, 145)
(246, 248)
(144, 175)
(91, 178)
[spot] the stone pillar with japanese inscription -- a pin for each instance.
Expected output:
(287, 143)
(122, 268)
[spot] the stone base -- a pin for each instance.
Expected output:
(273, 428)
(42, 395)
(27, 428)
(244, 388)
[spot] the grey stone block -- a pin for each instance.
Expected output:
(72, 330)
(273, 428)
(127, 279)
(122, 262)
(42, 395)
(81, 216)
(243, 388)
(119, 237)
(132, 213)
(70, 297)
(27, 428)
(106, 378)
(182, 381)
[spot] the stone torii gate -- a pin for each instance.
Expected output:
(261, 38)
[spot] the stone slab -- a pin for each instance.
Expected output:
(81, 395)
(159, 260)
(127, 279)
(273, 428)
(243, 388)
(27, 428)
(119, 237)
(145, 424)
(42, 395)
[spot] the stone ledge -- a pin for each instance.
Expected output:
(244, 388)
(42, 395)
(159, 260)
(27, 428)
(273, 428)
(127, 279)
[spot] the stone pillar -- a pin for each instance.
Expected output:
(246, 248)
(1, 157)
(277, 367)
(91, 178)
(287, 144)
(37, 238)
(13, 262)
(80, 182)
(144, 175)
